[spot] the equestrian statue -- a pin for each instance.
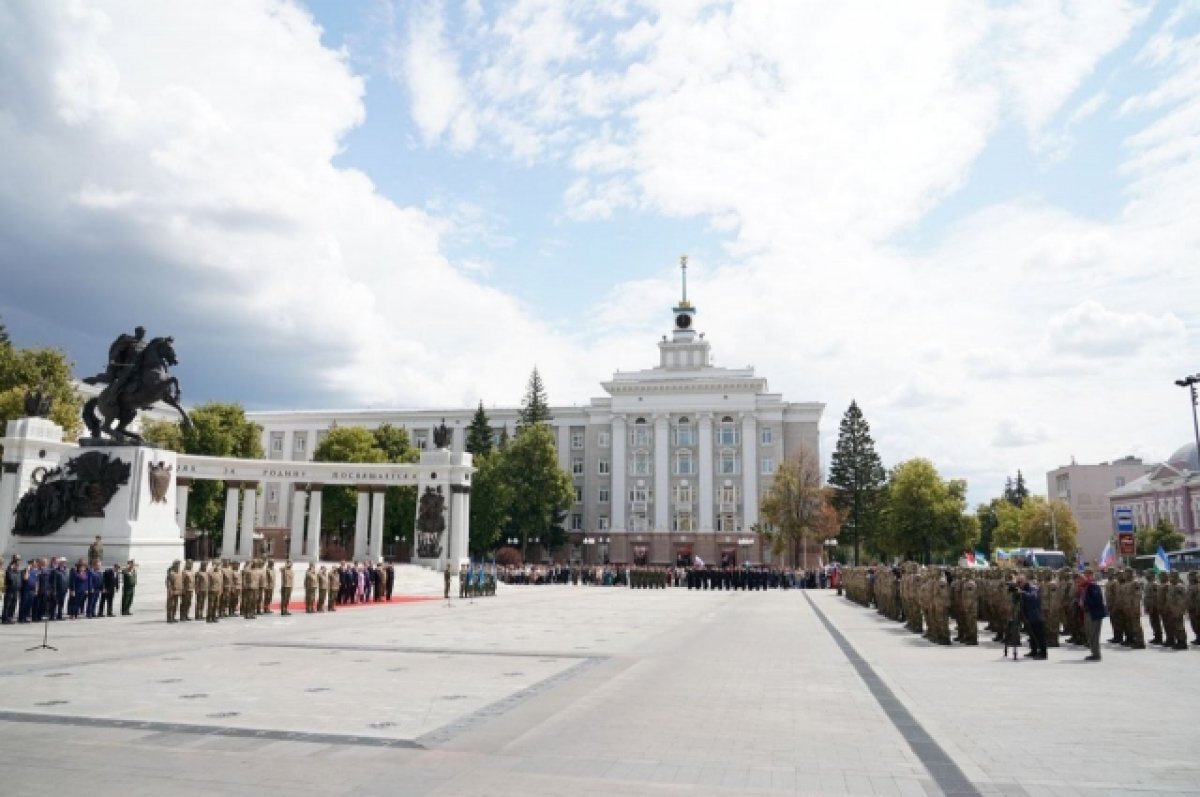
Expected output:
(136, 378)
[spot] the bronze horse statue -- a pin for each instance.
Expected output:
(149, 382)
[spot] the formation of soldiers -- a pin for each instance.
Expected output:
(662, 576)
(216, 590)
(474, 582)
(926, 599)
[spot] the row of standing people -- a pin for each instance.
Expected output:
(221, 589)
(47, 589)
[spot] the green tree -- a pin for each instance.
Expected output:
(4, 341)
(1163, 533)
(479, 433)
(925, 516)
(339, 505)
(395, 444)
(857, 474)
(539, 490)
(400, 503)
(986, 516)
(535, 406)
(797, 509)
(44, 369)
(218, 430)
(490, 502)
(1042, 521)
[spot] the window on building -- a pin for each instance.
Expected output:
(641, 463)
(685, 465)
(300, 440)
(577, 466)
(682, 521)
(576, 522)
(577, 439)
(639, 495)
(578, 494)
(602, 439)
(1120, 481)
(684, 433)
(277, 441)
(1062, 483)
(602, 467)
(603, 495)
(602, 523)
(637, 522)
(728, 494)
(727, 521)
(641, 433)
(727, 463)
(421, 440)
(767, 436)
(727, 433)
(497, 435)
(683, 493)
(768, 466)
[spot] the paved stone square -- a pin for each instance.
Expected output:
(574, 690)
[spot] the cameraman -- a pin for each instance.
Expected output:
(1035, 618)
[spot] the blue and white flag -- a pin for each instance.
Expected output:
(1161, 563)
(1108, 557)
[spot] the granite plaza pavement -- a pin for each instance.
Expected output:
(560, 690)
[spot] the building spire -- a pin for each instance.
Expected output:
(683, 268)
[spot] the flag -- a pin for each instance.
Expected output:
(980, 559)
(970, 557)
(1108, 558)
(1001, 553)
(1161, 563)
(699, 561)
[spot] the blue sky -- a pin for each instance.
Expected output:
(977, 219)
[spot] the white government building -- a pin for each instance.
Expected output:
(671, 463)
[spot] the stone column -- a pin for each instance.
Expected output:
(9, 482)
(249, 507)
(662, 473)
(312, 550)
(361, 520)
(375, 544)
(460, 529)
(229, 540)
(619, 497)
(299, 502)
(749, 471)
(705, 474)
(182, 490)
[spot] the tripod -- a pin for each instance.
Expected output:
(45, 634)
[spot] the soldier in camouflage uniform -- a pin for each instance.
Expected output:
(1150, 603)
(1072, 620)
(1052, 607)
(1130, 592)
(1176, 608)
(201, 585)
(1116, 614)
(216, 587)
(1193, 604)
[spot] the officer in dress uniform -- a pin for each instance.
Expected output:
(285, 588)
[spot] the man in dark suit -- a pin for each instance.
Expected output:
(95, 586)
(110, 583)
(29, 586)
(62, 586)
(12, 589)
(1094, 612)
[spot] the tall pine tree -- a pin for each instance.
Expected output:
(535, 406)
(479, 434)
(4, 341)
(858, 477)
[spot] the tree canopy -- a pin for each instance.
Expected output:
(924, 515)
(35, 368)
(535, 406)
(797, 509)
(856, 473)
(1162, 533)
(539, 489)
(479, 434)
(490, 502)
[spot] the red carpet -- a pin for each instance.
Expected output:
(297, 606)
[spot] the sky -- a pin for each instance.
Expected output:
(978, 220)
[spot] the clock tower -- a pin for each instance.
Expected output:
(686, 349)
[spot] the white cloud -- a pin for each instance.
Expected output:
(1011, 433)
(1092, 330)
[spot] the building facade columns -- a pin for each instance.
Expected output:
(313, 542)
(362, 519)
(229, 531)
(706, 472)
(375, 542)
(620, 495)
(662, 473)
(299, 510)
(249, 514)
(749, 471)
(183, 488)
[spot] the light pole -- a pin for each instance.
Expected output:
(1190, 383)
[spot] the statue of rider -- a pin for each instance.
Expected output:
(122, 362)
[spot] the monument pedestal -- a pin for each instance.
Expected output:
(448, 473)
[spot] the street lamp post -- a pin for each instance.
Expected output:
(1190, 382)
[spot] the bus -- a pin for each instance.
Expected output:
(1183, 561)
(1037, 557)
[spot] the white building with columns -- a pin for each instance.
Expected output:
(672, 462)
